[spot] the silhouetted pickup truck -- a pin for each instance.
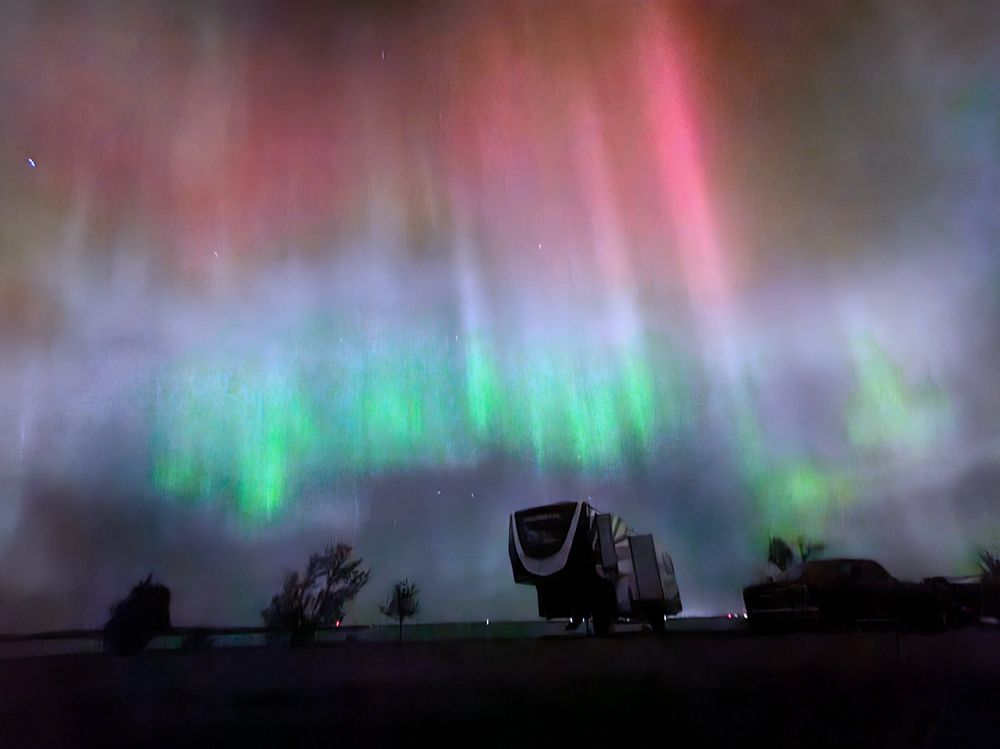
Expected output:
(853, 592)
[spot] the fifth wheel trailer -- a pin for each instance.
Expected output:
(585, 564)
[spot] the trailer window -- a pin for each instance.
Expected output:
(543, 530)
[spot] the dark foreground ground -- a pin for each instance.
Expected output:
(686, 688)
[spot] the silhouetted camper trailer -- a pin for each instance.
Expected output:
(588, 565)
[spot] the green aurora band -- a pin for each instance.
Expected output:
(256, 431)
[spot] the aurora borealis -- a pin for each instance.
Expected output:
(278, 273)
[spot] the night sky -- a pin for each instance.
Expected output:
(276, 274)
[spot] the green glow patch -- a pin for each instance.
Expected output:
(886, 411)
(224, 431)
(794, 496)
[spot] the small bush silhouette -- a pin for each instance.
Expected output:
(782, 556)
(318, 598)
(989, 563)
(779, 553)
(135, 620)
(402, 604)
(809, 549)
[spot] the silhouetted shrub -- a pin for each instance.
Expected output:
(989, 562)
(782, 556)
(779, 553)
(402, 604)
(317, 599)
(809, 549)
(135, 620)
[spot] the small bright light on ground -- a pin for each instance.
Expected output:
(487, 622)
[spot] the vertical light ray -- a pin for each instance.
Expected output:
(680, 166)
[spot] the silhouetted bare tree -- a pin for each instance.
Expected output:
(402, 604)
(318, 598)
(139, 617)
